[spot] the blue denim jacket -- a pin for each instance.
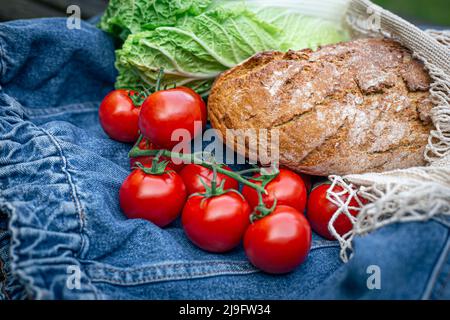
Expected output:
(60, 220)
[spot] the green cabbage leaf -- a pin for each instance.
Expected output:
(123, 17)
(195, 40)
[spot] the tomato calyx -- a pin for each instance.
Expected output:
(261, 210)
(266, 176)
(215, 189)
(137, 98)
(158, 167)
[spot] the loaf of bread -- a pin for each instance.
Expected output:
(360, 106)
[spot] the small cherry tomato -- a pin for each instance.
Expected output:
(216, 223)
(166, 111)
(288, 188)
(279, 242)
(158, 198)
(192, 174)
(119, 116)
(147, 161)
(320, 210)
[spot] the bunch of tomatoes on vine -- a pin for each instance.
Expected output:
(262, 207)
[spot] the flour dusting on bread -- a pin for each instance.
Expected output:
(348, 108)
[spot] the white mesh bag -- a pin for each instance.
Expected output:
(414, 194)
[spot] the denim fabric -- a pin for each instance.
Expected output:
(59, 181)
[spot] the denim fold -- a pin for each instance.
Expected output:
(63, 235)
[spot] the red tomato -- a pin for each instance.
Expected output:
(288, 188)
(119, 116)
(193, 173)
(320, 210)
(217, 223)
(145, 144)
(156, 198)
(165, 111)
(279, 242)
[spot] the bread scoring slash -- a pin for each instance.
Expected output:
(354, 107)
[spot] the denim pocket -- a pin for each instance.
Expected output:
(213, 277)
(179, 270)
(167, 271)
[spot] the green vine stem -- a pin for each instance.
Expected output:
(138, 97)
(137, 143)
(190, 158)
(214, 181)
(159, 79)
(261, 210)
(247, 171)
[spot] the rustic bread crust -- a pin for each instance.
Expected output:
(348, 108)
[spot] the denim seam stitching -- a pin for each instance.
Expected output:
(194, 275)
(171, 265)
(188, 264)
(74, 193)
(159, 278)
(78, 208)
(429, 288)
